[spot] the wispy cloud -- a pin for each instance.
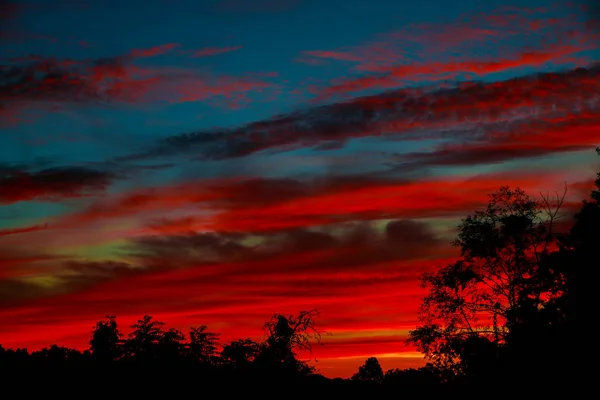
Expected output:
(39, 81)
(154, 51)
(475, 46)
(52, 184)
(212, 51)
(463, 112)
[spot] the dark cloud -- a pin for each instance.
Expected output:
(39, 79)
(409, 233)
(217, 256)
(113, 79)
(467, 111)
(71, 276)
(474, 155)
(481, 155)
(14, 292)
(523, 139)
(52, 183)
(178, 251)
(339, 247)
(99, 269)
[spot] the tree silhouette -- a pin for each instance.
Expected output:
(240, 353)
(105, 343)
(171, 346)
(473, 303)
(142, 343)
(203, 344)
(370, 371)
(286, 337)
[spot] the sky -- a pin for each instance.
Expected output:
(216, 162)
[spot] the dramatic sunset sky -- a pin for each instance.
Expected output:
(215, 162)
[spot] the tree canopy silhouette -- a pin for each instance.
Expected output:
(473, 303)
(370, 371)
(203, 344)
(286, 336)
(510, 298)
(106, 343)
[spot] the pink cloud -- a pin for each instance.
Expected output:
(211, 51)
(333, 55)
(154, 51)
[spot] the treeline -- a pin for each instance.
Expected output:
(503, 314)
(150, 346)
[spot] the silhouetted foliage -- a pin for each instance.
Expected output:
(151, 346)
(285, 337)
(506, 308)
(143, 342)
(203, 344)
(240, 353)
(370, 371)
(105, 344)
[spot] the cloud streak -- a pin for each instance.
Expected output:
(154, 51)
(38, 80)
(212, 51)
(52, 184)
(468, 111)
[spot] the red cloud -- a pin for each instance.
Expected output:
(427, 52)
(397, 75)
(211, 51)
(426, 198)
(15, 231)
(258, 205)
(529, 138)
(153, 51)
(333, 55)
(39, 80)
(466, 112)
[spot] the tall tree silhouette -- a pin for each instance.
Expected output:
(370, 371)
(473, 303)
(171, 346)
(105, 344)
(143, 341)
(203, 344)
(287, 336)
